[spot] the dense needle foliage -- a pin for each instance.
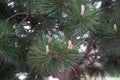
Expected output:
(66, 39)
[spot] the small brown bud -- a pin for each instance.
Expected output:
(70, 45)
(14, 27)
(36, 76)
(115, 27)
(47, 49)
(82, 10)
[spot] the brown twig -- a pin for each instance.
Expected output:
(16, 15)
(57, 2)
(88, 49)
(58, 56)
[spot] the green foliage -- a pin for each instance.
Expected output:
(5, 34)
(12, 48)
(109, 32)
(78, 24)
(59, 59)
(111, 61)
(48, 7)
(6, 71)
(5, 31)
(5, 10)
(67, 13)
(62, 20)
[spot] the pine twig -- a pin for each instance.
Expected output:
(88, 49)
(16, 15)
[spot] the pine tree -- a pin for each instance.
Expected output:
(66, 39)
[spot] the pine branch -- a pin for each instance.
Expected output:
(16, 15)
